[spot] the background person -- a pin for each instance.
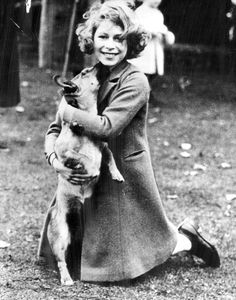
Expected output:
(151, 60)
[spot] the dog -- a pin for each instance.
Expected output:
(76, 150)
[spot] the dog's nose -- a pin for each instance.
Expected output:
(68, 85)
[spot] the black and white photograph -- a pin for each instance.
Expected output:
(118, 149)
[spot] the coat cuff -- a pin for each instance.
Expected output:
(50, 157)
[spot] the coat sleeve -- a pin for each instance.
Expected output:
(132, 95)
(52, 133)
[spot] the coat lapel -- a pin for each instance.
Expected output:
(111, 81)
(105, 89)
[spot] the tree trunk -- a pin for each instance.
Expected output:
(70, 37)
(221, 57)
(47, 22)
(9, 61)
(79, 60)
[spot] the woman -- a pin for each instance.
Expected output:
(126, 231)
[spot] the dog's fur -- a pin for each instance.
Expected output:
(76, 150)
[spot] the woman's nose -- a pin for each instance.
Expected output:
(109, 44)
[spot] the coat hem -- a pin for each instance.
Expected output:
(92, 277)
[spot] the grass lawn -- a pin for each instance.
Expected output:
(203, 115)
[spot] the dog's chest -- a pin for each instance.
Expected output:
(67, 140)
(73, 194)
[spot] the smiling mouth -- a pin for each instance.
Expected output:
(109, 54)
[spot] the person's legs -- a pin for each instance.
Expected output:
(155, 81)
(150, 78)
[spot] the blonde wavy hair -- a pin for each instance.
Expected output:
(118, 12)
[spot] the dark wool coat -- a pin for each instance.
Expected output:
(126, 231)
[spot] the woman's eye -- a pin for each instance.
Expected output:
(119, 39)
(102, 37)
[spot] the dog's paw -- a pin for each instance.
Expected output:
(67, 281)
(117, 176)
(64, 274)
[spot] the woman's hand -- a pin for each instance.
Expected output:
(71, 175)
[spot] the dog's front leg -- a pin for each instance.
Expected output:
(59, 239)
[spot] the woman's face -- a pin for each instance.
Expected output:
(109, 48)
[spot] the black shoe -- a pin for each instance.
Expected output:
(200, 247)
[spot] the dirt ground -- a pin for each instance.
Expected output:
(201, 185)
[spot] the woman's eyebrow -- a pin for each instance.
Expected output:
(103, 32)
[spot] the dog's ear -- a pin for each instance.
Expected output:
(86, 70)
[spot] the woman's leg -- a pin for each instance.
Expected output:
(183, 244)
(189, 239)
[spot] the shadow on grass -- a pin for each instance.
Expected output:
(179, 263)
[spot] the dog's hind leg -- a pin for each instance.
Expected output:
(110, 161)
(59, 239)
